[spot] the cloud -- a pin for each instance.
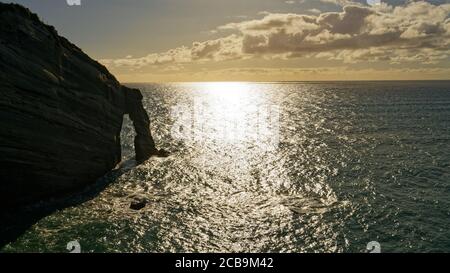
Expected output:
(178, 55)
(222, 49)
(315, 11)
(344, 2)
(408, 31)
(227, 48)
(416, 32)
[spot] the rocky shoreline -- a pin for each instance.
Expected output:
(61, 113)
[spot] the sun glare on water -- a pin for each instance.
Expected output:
(234, 113)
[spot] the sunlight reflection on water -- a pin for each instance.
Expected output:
(326, 171)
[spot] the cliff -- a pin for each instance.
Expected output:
(61, 113)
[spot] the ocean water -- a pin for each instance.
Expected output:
(273, 167)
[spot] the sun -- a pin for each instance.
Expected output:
(226, 87)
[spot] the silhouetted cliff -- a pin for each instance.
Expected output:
(61, 112)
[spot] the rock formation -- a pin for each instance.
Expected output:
(61, 113)
(143, 142)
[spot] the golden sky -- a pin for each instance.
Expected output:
(259, 40)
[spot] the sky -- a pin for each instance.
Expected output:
(258, 40)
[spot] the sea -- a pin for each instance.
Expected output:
(288, 167)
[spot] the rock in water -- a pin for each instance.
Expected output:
(143, 142)
(61, 113)
(138, 205)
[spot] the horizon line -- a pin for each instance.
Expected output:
(303, 81)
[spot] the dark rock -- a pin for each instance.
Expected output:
(61, 113)
(138, 204)
(143, 142)
(162, 153)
